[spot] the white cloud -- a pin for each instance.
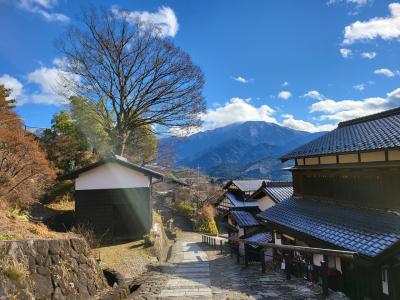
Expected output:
(385, 28)
(386, 72)
(357, 2)
(42, 7)
(314, 95)
(291, 122)
(43, 85)
(346, 53)
(284, 95)
(368, 55)
(241, 79)
(236, 110)
(164, 19)
(12, 83)
(285, 83)
(348, 109)
(359, 87)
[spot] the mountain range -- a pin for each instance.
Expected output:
(240, 150)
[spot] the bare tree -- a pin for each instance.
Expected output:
(139, 78)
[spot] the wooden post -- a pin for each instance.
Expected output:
(262, 259)
(246, 256)
(324, 269)
(288, 264)
(220, 246)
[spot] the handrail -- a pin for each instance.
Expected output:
(339, 253)
(314, 250)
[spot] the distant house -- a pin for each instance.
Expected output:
(241, 202)
(271, 193)
(237, 193)
(113, 196)
(346, 197)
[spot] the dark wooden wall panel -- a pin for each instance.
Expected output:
(115, 212)
(375, 188)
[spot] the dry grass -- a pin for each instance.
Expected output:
(128, 258)
(62, 205)
(14, 225)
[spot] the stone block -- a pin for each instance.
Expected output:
(43, 286)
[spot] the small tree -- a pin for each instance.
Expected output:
(132, 77)
(24, 170)
(65, 144)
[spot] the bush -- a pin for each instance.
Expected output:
(149, 239)
(184, 209)
(206, 226)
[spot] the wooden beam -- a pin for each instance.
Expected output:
(333, 252)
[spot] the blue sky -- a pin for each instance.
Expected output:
(302, 64)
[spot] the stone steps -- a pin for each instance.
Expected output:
(191, 279)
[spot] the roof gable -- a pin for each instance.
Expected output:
(277, 190)
(374, 132)
(114, 159)
(246, 185)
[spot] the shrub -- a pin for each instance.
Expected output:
(206, 226)
(149, 239)
(184, 209)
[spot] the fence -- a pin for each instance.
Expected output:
(215, 242)
(233, 246)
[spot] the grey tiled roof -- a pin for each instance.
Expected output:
(244, 218)
(261, 237)
(279, 193)
(238, 202)
(277, 190)
(374, 132)
(246, 185)
(364, 231)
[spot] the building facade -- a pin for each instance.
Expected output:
(113, 197)
(346, 196)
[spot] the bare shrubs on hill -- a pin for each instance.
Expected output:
(24, 170)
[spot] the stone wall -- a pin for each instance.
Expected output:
(49, 269)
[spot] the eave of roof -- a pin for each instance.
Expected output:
(374, 132)
(238, 203)
(367, 165)
(114, 159)
(368, 232)
(244, 218)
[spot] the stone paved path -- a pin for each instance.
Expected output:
(192, 274)
(196, 271)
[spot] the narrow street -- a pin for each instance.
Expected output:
(195, 271)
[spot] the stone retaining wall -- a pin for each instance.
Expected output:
(49, 269)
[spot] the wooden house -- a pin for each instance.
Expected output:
(237, 194)
(346, 197)
(271, 193)
(113, 197)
